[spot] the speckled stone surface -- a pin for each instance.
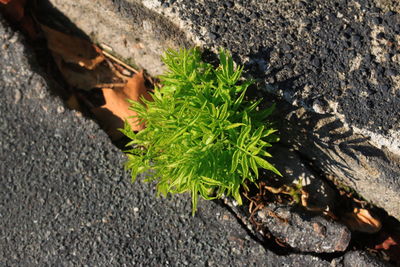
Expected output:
(316, 52)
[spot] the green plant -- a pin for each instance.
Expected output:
(201, 135)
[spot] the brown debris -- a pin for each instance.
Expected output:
(387, 244)
(14, 10)
(361, 220)
(81, 63)
(81, 77)
(85, 66)
(116, 109)
(73, 49)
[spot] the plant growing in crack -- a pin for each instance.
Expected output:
(202, 136)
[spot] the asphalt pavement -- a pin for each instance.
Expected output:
(65, 199)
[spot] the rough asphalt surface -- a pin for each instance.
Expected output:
(65, 199)
(314, 52)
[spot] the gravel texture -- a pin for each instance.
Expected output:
(314, 52)
(65, 199)
(361, 259)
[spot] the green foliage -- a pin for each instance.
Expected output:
(201, 135)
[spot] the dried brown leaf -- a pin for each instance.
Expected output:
(387, 244)
(116, 109)
(14, 10)
(83, 78)
(136, 88)
(73, 49)
(361, 220)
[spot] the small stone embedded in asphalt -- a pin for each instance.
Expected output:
(229, 4)
(17, 96)
(316, 62)
(212, 36)
(60, 109)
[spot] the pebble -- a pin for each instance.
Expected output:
(13, 39)
(229, 4)
(60, 109)
(17, 96)
(126, 72)
(212, 36)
